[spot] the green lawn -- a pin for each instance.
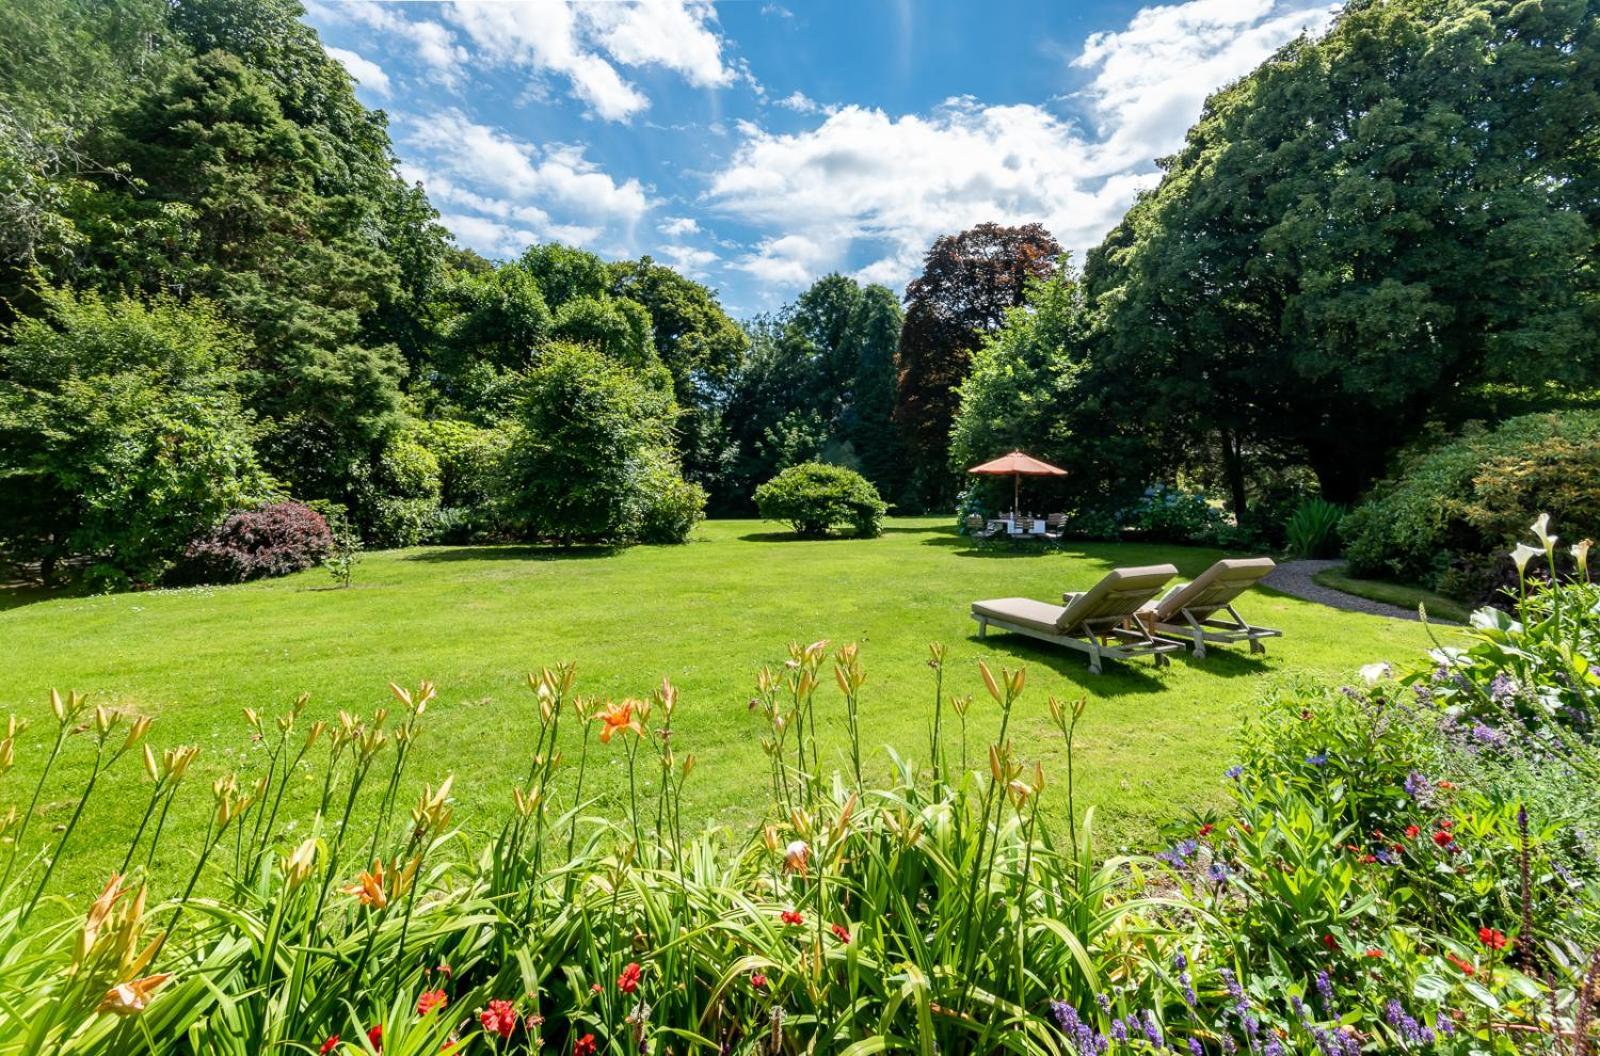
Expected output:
(709, 615)
(1440, 606)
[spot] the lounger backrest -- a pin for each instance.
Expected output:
(1215, 588)
(1116, 597)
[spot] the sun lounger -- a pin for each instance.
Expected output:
(1102, 621)
(1190, 610)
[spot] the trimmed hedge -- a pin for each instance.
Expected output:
(814, 497)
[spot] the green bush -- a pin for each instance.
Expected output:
(814, 497)
(1313, 531)
(584, 437)
(671, 507)
(1476, 494)
(1175, 515)
(122, 435)
(470, 458)
(397, 496)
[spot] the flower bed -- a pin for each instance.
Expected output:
(1386, 876)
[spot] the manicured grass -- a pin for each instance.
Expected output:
(1440, 607)
(709, 615)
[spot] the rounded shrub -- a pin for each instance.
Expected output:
(397, 500)
(814, 497)
(274, 540)
(1460, 503)
(671, 507)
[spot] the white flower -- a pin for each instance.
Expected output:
(1541, 530)
(1580, 554)
(1522, 555)
(1372, 674)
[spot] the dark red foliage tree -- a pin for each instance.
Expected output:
(968, 282)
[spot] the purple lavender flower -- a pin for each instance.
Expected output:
(1217, 873)
(1325, 991)
(1119, 1030)
(1318, 759)
(1180, 960)
(1488, 736)
(1228, 1047)
(1273, 1047)
(1501, 687)
(1084, 1038)
(1152, 1029)
(1104, 1002)
(1443, 1024)
(1411, 1032)
(1234, 772)
(1417, 786)
(1194, 1047)
(1188, 988)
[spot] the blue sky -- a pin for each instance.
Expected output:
(759, 144)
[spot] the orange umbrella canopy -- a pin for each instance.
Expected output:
(1017, 465)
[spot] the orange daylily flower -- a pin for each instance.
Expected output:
(131, 998)
(619, 717)
(368, 888)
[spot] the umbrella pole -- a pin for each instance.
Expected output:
(1016, 494)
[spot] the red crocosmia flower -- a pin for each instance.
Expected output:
(499, 1018)
(375, 1037)
(444, 970)
(1330, 942)
(628, 981)
(1398, 848)
(1413, 831)
(327, 1046)
(430, 1000)
(1465, 966)
(1373, 953)
(1493, 938)
(1447, 786)
(1447, 824)
(1205, 830)
(1443, 838)
(841, 933)
(595, 988)
(790, 917)
(583, 1046)
(758, 980)
(1368, 859)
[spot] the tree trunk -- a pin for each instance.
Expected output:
(1233, 470)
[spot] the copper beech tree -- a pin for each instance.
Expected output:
(968, 283)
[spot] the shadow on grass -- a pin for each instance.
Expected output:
(796, 537)
(16, 595)
(515, 553)
(1121, 677)
(1227, 663)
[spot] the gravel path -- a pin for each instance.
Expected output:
(1294, 578)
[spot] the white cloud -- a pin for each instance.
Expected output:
(801, 103)
(366, 73)
(434, 45)
(1152, 78)
(572, 41)
(499, 194)
(863, 179)
(690, 260)
(487, 159)
(678, 226)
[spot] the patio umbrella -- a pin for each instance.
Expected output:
(1017, 465)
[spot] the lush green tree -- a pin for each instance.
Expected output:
(968, 283)
(586, 431)
(867, 419)
(122, 434)
(618, 327)
(699, 345)
(1362, 233)
(817, 384)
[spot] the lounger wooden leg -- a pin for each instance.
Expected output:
(983, 628)
(1197, 636)
(1094, 656)
(1257, 645)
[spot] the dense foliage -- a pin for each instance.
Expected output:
(122, 435)
(590, 459)
(1448, 512)
(1385, 872)
(814, 497)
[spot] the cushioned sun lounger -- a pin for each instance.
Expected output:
(1191, 610)
(1101, 621)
